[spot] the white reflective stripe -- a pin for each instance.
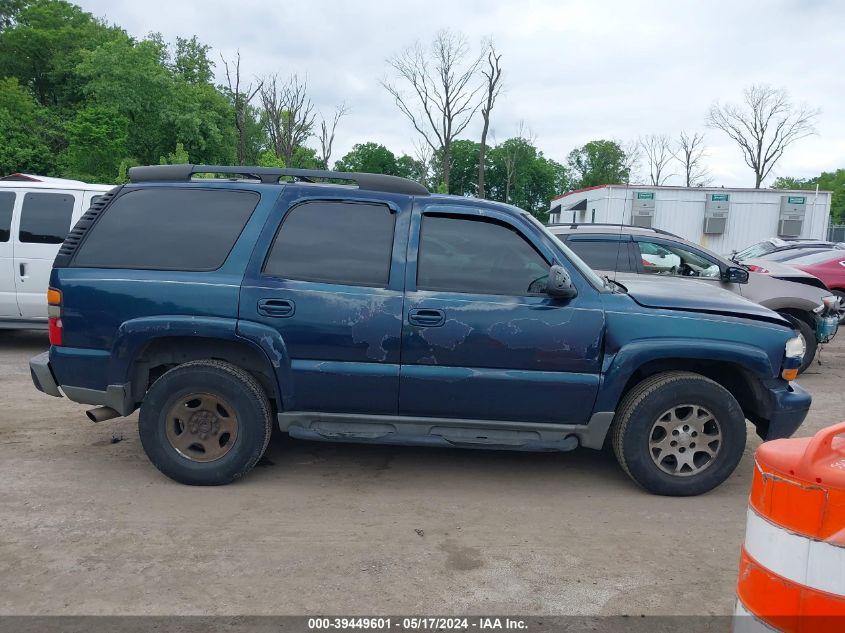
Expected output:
(814, 564)
(745, 622)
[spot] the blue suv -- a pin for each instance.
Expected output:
(361, 308)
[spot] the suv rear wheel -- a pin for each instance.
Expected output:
(205, 423)
(678, 434)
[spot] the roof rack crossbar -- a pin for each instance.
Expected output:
(271, 175)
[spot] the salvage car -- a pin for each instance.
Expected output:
(377, 312)
(779, 244)
(797, 296)
(829, 266)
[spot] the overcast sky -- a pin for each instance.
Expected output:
(574, 71)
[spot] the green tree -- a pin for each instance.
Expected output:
(371, 158)
(22, 121)
(833, 181)
(161, 107)
(519, 174)
(598, 163)
(463, 161)
(178, 156)
(268, 158)
(305, 158)
(415, 169)
(96, 144)
(44, 43)
(191, 61)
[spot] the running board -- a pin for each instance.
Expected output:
(445, 432)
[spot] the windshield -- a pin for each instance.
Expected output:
(756, 250)
(585, 270)
(817, 258)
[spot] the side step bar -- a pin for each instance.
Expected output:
(407, 430)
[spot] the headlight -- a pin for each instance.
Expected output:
(795, 347)
(830, 302)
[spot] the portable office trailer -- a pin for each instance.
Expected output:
(720, 219)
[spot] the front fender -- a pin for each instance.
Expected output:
(619, 367)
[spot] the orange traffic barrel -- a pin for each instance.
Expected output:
(792, 566)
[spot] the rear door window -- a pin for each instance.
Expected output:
(167, 229)
(45, 217)
(345, 243)
(602, 253)
(7, 205)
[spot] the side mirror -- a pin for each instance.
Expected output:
(559, 284)
(735, 275)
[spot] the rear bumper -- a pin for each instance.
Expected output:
(42, 375)
(115, 396)
(789, 404)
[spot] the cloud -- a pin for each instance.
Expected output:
(575, 71)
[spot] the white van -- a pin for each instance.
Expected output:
(36, 214)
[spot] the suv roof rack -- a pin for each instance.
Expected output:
(271, 175)
(575, 225)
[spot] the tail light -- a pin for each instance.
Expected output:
(646, 263)
(54, 316)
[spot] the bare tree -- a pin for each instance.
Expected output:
(658, 155)
(241, 98)
(442, 99)
(690, 152)
(763, 126)
(288, 114)
(493, 82)
(327, 131)
(631, 163)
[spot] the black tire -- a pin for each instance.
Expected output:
(642, 408)
(231, 385)
(810, 340)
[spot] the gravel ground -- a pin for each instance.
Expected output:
(88, 526)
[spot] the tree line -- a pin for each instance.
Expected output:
(80, 98)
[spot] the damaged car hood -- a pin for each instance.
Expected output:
(694, 296)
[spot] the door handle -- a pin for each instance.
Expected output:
(22, 268)
(279, 308)
(426, 317)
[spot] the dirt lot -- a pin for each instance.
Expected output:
(88, 526)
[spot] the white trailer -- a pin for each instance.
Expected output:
(720, 219)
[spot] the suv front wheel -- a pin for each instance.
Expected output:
(205, 423)
(678, 434)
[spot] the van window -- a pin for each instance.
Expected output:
(45, 217)
(7, 204)
(167, 229)
(334, 242)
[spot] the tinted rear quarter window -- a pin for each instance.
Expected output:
(45, 217)
(167, 229)
(7, 205)
(334, 242)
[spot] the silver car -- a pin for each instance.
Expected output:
(621, 251)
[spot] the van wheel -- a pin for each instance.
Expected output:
(810, 342)
(678, 434)
(205, 423)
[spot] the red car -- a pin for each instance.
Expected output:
(829, 266)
